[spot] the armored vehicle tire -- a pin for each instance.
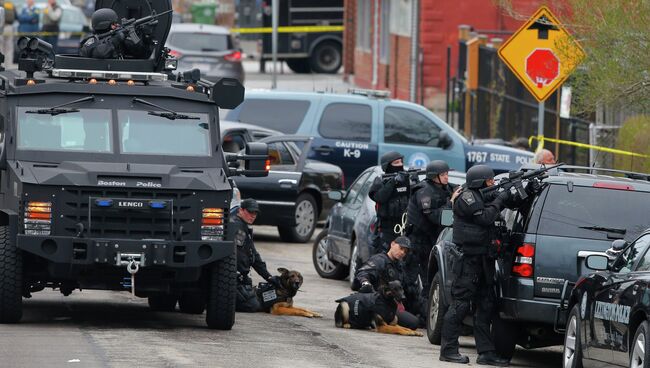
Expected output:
(162, 302)
(325, 267)
(306, 213)
(11, 279)
(437, 309)
(327, 57)
(191, 303)
(504, 335)
(299, 66)
(222, 289)
(572, 352)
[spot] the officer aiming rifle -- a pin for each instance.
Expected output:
(515, 180)
(114, 40)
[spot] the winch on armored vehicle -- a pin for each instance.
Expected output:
(113, 177)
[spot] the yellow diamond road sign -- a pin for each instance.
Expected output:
(542, 54)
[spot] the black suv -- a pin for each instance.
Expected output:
(577, 214)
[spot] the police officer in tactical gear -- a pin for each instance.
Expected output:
(119, 44)
(428, 199)
(391, 194)
(383, 268)
(473, 233)
(247, 256)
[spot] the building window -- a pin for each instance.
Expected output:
(384, 55)
(364, 25)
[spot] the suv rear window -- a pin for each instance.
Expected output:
(568, 214)
(283, 115)
(346, 121)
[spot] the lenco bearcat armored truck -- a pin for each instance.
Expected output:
(112, 176)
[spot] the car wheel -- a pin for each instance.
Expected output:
(572, 353)
(222, 289)
(299, 66)
(325, 267)
(640, 349)
(504, 335)
(11, 279)
(326, 58)
(191, 303)
(162, 302)
(437, 310)
(306, 217)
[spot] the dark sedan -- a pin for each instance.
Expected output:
(208, 48)
(608, 322)
(346, 241)
(294, 196)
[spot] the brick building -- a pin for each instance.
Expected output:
(378, 41)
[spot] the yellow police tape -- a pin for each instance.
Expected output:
(541, 139)
(289, 29)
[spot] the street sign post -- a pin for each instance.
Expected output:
(542, 54)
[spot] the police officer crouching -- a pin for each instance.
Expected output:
(247, 256)
(119, 44)
(391, 194)
(383, 268)
(473, 233)
(428, 199)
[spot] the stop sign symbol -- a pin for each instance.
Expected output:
(542, 67)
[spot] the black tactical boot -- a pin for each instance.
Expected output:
(454, 358)
(491, 358)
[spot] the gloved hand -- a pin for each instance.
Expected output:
(275, 281)
(366, 287)
(401, 178)
(534, 186)
(118, 38)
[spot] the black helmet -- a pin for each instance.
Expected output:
(389, 157)
(477, 175)
(102, 19)
(435, 168)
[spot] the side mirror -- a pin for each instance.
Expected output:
(447, 218)
(335, 195)
(619, 244)
(228, 93)
(597, 262)
(256, 161)
(444, 140)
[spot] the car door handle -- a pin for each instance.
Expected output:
(324, 150)
(288, 181)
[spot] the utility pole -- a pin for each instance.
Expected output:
(274, 42)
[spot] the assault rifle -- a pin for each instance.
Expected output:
(516, 178)
(406, 172)
(130, 26)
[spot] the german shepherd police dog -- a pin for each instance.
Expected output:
(279, 301)
(377, 311)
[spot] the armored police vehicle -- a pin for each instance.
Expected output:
(113, 177)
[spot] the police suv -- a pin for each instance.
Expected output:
(354, 130)
(609, 309)
(114, 178)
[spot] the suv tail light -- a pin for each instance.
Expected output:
(524, 260)
(234, 56)
(38, 218)
(212, 224)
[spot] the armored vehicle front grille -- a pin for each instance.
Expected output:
(77, 204)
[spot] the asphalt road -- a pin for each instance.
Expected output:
(112, 329)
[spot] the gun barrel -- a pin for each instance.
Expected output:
(519, 177)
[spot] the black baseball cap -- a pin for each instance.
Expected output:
(250, 205)
(403, 242)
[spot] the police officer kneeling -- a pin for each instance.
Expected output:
(247, 256)
(473, 230)
(383, 268)
(118, 44)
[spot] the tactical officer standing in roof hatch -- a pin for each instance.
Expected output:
(474, 233)
(391, 194)
(428, 199)
(119, 44)
(240, 232)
